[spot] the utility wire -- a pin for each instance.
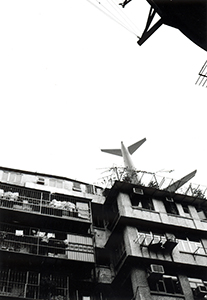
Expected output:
(123, 15)
(117, 19)
(110, 15)
(114, 7)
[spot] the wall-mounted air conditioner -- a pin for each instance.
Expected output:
(201, 291)
(156, 272)
(158, 269)
(138, 191)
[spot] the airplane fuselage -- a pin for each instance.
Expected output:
(127, 158)
(126, 153)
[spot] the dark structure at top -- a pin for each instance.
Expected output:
(189, 16)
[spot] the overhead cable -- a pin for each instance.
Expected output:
(123, 15)
(107, 12)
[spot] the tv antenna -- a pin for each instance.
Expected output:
(202, 78)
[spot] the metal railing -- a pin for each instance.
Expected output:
(63, 209)
(149, 179)
(41, 245)
(147, 239)
(33, 285)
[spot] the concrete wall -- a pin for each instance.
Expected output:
(186, 287)
(140, 284)
(160, 215)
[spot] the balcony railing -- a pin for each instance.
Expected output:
(33, 285)
(156, 242)
(63, 209)
(192, 247)
(47, 245)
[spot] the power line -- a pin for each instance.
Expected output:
(111, 15)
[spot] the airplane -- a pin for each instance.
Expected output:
(132, 172)
(126, 154)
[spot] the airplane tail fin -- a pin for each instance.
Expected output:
(135, 146)
(113, 151)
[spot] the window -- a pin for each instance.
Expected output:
(82, 295)
(76, 186)
(199, 287)
(90, 189)
(142, 201)
(86, 297)
(186, 209)
(191, 246)
(98, 221)
(170, 206)
(12, 177)
(119, 253)
(41, 180)
(202, 213)
(5, 176)
(168, 284)
(56, 183)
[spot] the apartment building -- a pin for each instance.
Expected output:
(157, 242)
(46, 236)
(61, 239)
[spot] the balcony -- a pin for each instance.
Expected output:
(167, 247)
(61, 208)
(78, 248)
(33, 285)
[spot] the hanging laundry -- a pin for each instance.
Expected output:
(19, 233)
(51, 235)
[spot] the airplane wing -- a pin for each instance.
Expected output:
(113, 151)
(176, 185)
(135, 146)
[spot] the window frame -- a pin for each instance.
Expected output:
(167, 284)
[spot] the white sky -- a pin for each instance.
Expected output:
(72, 81)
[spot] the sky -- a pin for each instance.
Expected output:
(73, 81)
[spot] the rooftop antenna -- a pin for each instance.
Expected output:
(164, 171)
(202, 78)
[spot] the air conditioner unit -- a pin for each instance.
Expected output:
(201, 291)
(138, 191)
(158, 269)
(41, 180)
(156, 272)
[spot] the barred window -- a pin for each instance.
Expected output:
(168, 284)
